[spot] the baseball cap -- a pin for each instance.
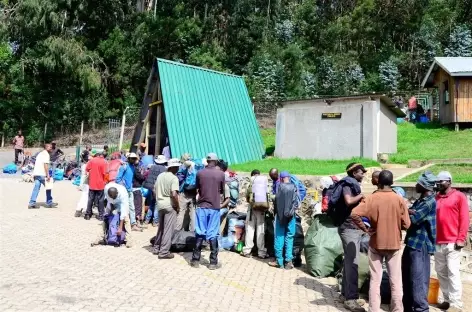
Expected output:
(160, 159)
(93, 152)
(284, 174)
(212, 156)
(174, 162)
(132, 155)
(443, 176)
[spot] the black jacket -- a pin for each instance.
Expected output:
(154, 172)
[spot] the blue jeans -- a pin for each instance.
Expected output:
(207, 223)
(38, 180)
(284, 235)
(415, 270)
(152, 211)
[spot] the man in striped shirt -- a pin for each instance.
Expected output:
(420, 244)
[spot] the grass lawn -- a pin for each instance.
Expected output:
(461, 173)
(430, 141)
(415, 142)
(302, 166)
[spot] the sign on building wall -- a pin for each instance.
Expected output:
(330, 115)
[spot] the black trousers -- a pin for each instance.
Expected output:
(97, 198)
(17, 152)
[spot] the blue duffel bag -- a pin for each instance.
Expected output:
(58, 174)
(10, 168)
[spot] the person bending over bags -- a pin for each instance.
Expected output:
(117, 204)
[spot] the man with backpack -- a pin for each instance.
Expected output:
(299, 186)
(285, 206)
(187, 176)
(158, 168)
(388, 216)
(210, 184)
(347, 195)
(258, 203)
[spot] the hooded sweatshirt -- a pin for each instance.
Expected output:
(286, 202)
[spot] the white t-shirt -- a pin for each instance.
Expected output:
(41, 159)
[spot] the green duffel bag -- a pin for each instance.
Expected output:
(323, 247)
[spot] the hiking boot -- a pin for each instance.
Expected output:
(195, 264)
(33, 206)
(443, 305)
(353, 305)
(263, 257)
(87, 217)
(100, 218)
(246, 255)
(212, 267)
(52, 205)
(275, 264)
(136, 228)
(154, 224)
(78, 214)
(168, 256)
(289, 265)
(129, 244)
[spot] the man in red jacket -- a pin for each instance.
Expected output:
(96, 169)
(452, 217)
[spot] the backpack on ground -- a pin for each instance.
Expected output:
(113, 222)
(259, 197)
(190, 181)
(301, 188)
(10, 168)
(58, 174)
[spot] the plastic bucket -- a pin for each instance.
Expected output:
(433, 292)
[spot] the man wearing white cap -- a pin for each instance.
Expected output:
(452, 216)
(154, 172)
(167, 194)
(210, 185)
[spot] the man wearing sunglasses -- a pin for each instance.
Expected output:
(452, 214)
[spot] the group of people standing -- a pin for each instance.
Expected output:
(436, 224)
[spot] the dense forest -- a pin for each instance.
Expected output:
(64, 61)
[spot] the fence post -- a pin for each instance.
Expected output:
(81, 133)
(122, 129)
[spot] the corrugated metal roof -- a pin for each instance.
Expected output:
(454, 66)
(208, 111)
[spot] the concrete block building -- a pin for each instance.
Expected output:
(337, 128)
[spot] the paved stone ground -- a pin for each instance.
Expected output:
(46, 264)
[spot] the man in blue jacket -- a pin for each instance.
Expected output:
(125, 178)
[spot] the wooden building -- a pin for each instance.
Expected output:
(452, 76)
